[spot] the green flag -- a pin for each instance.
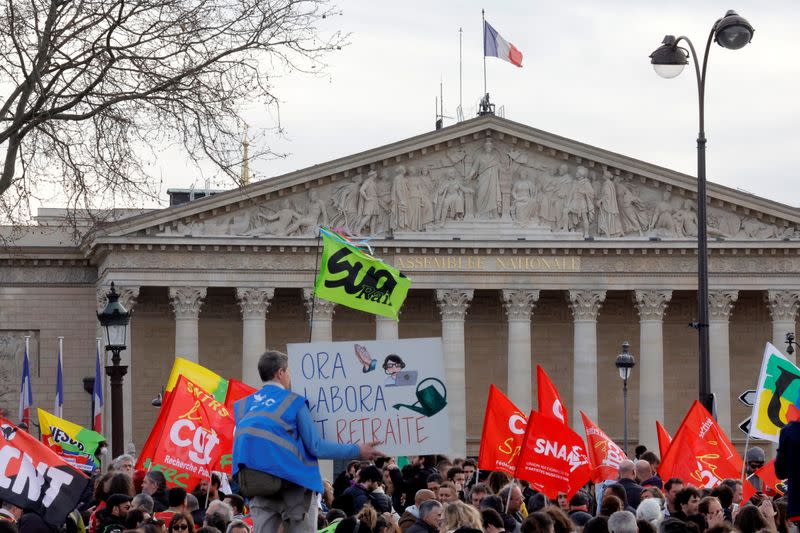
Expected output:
(351, 277)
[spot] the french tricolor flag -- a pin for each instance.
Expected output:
(495, 46)
(25, 391)
(97, 394)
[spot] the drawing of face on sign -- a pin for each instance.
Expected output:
(396, 375)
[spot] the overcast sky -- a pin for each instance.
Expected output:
(586, 76)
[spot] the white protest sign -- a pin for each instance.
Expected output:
(391, 391)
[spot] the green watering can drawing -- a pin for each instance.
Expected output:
(429, 400)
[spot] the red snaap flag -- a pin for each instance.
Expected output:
(503, 431)
(550, 403)
(553, 457)
(664, 440)
(604, 454)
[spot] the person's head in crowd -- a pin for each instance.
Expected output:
(176, 499)
(736, 487)
(119, 484)
(651, 510)
(138, 480)
(327, 495)
(434, 481)
(724, 494)
(622, 522)
(561, 522)
(598, 524)
(444, 467)
(223, 509)
(644, 526)
(537, 502)
(537, 522)
(687, 500)
(511, 495)
(492, 521)
(425, 461)
(671, 489)
(100, 485)
(579, 502)
(579, 520)
(135, 518)
(423, 495)
(380, 462)
(651, 458)
(711, 509)
(469, 467)
(562, 501)
(215, 520)
(615, 489)
(626, 470)
(643, 470)
(610, 505)
(497, 480)
(119, 504)
(370, 477)
(430, 512)
(236, 502)
(144, 502)
(638, 451)
(153, 525)
(749, 520)
(154, 481)
(478, 491)
(192, 504)
(180, 523)
(447, 493)
(654, 493)
(754, 459)
(458, 514)
(456, 476)
(388, 484)
(124, 464)
(492, 501)
(369, 516)
(237, 526)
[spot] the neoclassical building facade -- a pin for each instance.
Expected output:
(523, 248)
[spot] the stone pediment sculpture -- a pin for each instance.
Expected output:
(483, 178)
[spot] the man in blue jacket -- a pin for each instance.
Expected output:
(276, 434)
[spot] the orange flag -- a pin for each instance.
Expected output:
(503, 431)
(701, 454)
(773, 486)
(664, 440)
(553, 457)
(550, 403)
(604, 455)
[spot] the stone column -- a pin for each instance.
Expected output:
(322, 318)
(254, 304)
(585, 305)
(651, 304)
(386, 328)
(127, 297)
(186, 303)
(453, 304)
(720, 304)
(519, 304)
(783, 304)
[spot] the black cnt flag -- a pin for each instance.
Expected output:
(36, 479)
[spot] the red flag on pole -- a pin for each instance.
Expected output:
(664, 440)
(701, 454)
(503, 431)
(550, 403)
(553, 457)
(773, 486)
(604, 454)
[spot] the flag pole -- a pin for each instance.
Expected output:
(744, 463)
(314, 285)
(483, 18)
(460, 70)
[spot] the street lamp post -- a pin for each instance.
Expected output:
(625, 363)
(732, 32)
(115, 319)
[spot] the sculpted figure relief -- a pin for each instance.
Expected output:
(486, 169)
(262, 222)
(415, 194)
(630, 209)
(400, 200)
(608, 218)
(523, 200)
(686, 220)
(450, 198)
(368, 207)
(345, 201)
(581, 203)
(663, 223)
(315, 216)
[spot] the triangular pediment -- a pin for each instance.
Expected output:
(486, 178)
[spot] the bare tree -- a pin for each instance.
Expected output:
(95, 89)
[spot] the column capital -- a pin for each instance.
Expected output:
(519, 303)
(186, 301)
(254, 302)
(127, 296)
(783, 304)
(652, 303)
(453, 303)
(322, 309)
(720, 303)
(585, 303)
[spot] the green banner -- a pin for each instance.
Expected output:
(351, 277)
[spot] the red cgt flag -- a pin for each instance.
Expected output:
(700, 454)
(550, 403)
(503, 431)
(604, 454)
(664, 440)
(553, 457)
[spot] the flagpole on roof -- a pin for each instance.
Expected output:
(483, 19)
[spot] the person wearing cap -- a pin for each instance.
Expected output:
(754, 459)
(276, 442)
(112, 517)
